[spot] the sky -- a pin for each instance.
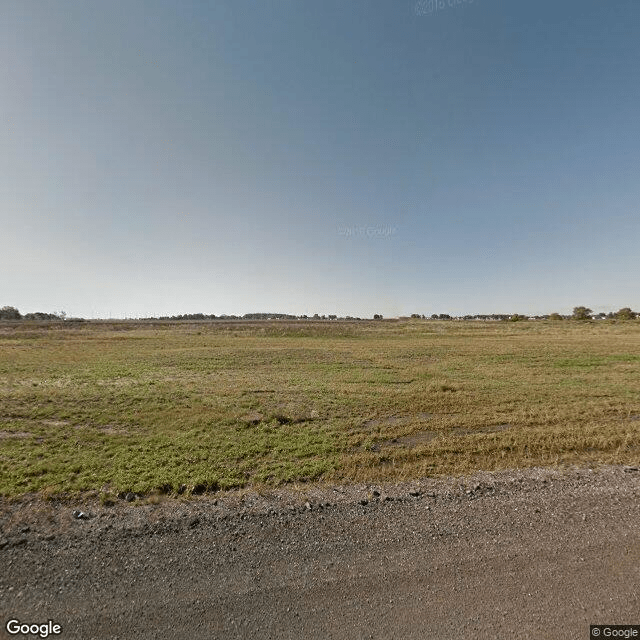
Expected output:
(336, 157)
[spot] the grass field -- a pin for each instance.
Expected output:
(127, 406)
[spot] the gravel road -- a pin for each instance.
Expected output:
(538, 553)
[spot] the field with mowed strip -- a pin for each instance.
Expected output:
(189, 407)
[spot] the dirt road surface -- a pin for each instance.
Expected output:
(521, 554)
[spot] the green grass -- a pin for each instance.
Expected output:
(145, 407)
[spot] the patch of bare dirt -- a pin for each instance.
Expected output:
(5, 435)
(423, 436)
(397, 420)
(55, 423)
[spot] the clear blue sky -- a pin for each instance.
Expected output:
(345, 157)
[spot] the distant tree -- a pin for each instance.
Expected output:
(582, 313)
(9, 313)
(416, 315)
(555, 316)
(377, 316)
(625, 314)
(39, 315)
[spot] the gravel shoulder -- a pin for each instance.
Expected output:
(537, 553)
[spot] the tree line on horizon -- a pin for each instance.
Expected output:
(11, 313)
(579, 313)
